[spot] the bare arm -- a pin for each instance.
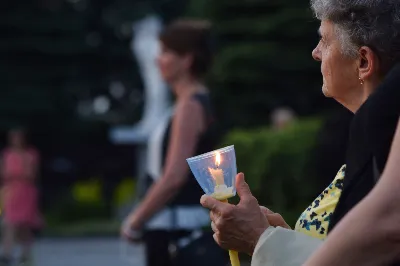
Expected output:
(32, 165)
(187, 125)
(370, 233)
(2, 170)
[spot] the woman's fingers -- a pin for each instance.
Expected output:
(214, 227)
(265, 210)
(275, 219)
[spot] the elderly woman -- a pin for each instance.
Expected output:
(379, 211)
(359, 46)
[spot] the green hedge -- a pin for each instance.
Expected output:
(84, 202)
(66, 210)
(278, 165)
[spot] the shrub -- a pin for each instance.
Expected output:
(125, 192)
(87, 191)
(279, 165)
(84, 202)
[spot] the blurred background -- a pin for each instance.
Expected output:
(73, 73)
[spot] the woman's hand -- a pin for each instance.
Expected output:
(237, 227)
(130, 229)
(274, 219)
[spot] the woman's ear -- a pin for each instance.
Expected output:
(188, 61)
(368, 63)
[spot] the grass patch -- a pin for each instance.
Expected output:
(97, 228)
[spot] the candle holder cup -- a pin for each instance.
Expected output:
(215, 171)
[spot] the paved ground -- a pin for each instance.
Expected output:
(87, 252)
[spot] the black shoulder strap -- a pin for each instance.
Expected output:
(377, 173)
(204, 101)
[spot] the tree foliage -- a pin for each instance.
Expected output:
(263, 58)
(57, 56)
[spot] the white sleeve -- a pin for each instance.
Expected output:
(283, 247)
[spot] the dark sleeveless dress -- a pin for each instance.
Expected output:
(190, 194)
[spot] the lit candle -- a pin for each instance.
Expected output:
(222, 193)
(217, 174)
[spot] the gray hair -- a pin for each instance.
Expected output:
(373, 23)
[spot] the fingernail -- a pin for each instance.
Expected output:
(202, 199)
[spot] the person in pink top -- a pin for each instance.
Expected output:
(19, 171)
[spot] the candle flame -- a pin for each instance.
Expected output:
(217, 159)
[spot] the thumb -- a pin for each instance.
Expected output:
(242, 187)
(211, 203)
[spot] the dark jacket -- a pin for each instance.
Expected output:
(371, 135)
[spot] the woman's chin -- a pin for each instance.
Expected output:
(325, 91)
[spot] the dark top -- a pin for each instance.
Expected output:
(371, 135)
(191, 192)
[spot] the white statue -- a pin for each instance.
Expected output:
(145, 47)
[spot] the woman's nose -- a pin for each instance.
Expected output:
(316, 54)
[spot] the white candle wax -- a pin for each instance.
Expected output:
(218, 176)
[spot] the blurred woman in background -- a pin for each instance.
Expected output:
(171, 210)
(19, 170)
